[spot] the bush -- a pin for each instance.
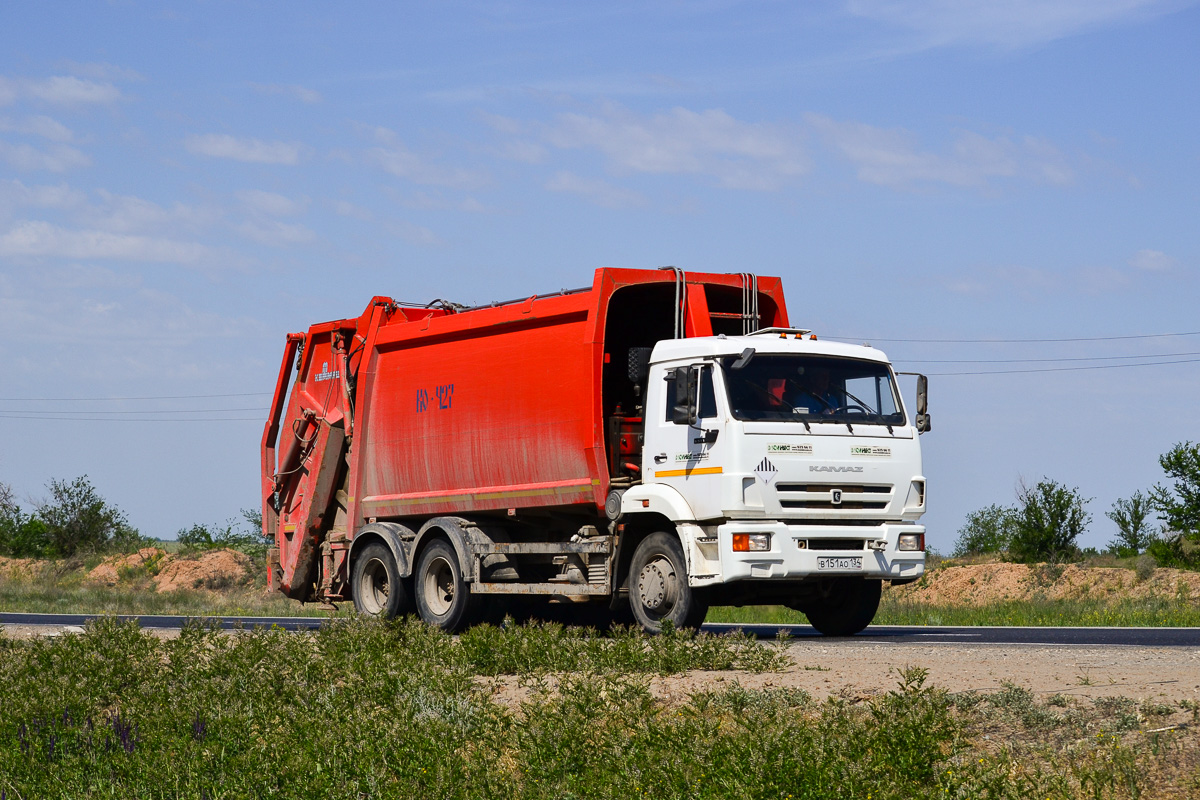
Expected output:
(76, 519)
(1179, 505)
(1049, 519)
(988, 530)
(1133, 530)
(213, 537)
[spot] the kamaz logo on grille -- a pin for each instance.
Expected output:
(815, 468)
(837, 497)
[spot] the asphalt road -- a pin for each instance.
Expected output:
(879, 634)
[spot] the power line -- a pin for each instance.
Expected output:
(4, 415)
(1036, 360)
(108, 399)
(1069, 369)
(141, 411)
(1018, 341)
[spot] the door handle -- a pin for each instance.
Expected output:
(660, 458)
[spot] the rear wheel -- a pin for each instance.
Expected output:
(444, 599)
(846, 608)
(375, 584)
(658, 586)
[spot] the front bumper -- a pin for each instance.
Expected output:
(795, 551)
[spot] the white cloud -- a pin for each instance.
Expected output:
(275, 233)
(596, 191)
(396, 159)
(892, 157)
(127, 214)
(67, 90)
(272, 204)
(219, 145)
(55, 158)
(42, 126)
(1004, 23)
(102, 71)
(41, 239)
(15, 193)
(739, 155)
(345, 208)
(301, 93)
(414, 234)
(1151, 261)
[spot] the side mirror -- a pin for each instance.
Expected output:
(684, 410)
(923, 421)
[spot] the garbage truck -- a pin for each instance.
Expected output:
(650, 445)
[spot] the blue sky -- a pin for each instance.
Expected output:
(181, 184)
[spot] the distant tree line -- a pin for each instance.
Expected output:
(1046, 521)
(76, 520)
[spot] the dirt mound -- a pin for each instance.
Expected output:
(19, 567)
(215, 569)
(110, 570)
(983, 584)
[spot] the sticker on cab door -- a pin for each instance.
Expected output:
(863, 450)
(804, 449)
(699, 455)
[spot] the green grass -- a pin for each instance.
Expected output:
(369, 709)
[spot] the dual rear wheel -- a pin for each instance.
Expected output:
(658, 587)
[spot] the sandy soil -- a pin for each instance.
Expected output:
(980, 584)
(212, 569)
(859, 670)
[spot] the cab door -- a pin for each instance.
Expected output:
(688, 454)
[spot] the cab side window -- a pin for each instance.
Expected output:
(708, 395)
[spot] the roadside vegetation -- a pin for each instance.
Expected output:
(1045, 523)
(370, 709)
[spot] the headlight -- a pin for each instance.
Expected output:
(911, 542)
(750, 542)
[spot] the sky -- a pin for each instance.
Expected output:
(1002, 195)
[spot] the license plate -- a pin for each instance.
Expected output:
(845, 563)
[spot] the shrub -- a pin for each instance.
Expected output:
(78, 519)
(1049, 519)
(1179, 505)
(1133, 530)
(988, 530)
(212, 537)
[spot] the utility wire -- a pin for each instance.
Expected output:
(5, 415)
(1017, 341)
(107, 399)
(1068, 369)
(139, 411)
(1038, 360)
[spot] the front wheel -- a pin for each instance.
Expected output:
(375, 584)
(846, 608)
(444, 599)
(658, 586)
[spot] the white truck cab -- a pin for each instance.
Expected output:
(790, 468)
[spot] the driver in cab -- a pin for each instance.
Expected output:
(815, 395)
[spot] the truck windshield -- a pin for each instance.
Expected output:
(812, 389)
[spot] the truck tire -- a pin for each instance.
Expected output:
(847, 609)
(658, 586)
(376, 585)
(444, 599)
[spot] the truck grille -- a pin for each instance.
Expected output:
(821, 496)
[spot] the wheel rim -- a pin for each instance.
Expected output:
(657, 587)
(375, 586)
(437, 586)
